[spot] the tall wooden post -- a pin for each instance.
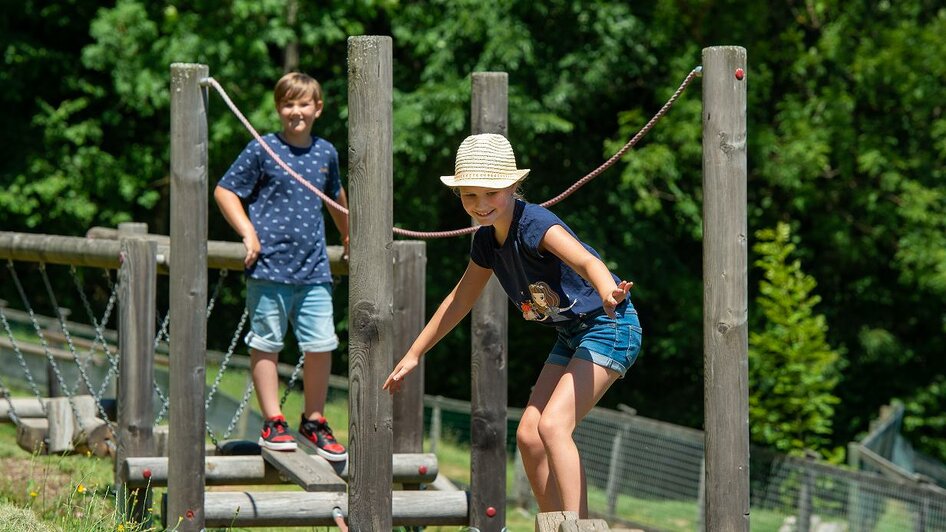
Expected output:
(410, 268)
(489, 110)
(371, 336)
(725, 289)
(138, 277)
(188, 297)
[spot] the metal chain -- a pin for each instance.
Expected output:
(247, 392)
(216, 292)
(292, 380)
(226, 358)
(164, 336)
(22, 360)
(75, 355)
(99, 337)
(6, 391)
(99, 328)
(36, 327)
(162, 333)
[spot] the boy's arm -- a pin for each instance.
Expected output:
(566, 247)
(454, 308)
(341, 220)
(232, 208)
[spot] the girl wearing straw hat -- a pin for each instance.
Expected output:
(599, 335)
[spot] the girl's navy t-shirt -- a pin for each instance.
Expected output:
(543, 287)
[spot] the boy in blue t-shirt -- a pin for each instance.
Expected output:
(288, 279)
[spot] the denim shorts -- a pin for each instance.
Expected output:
(613, 343)
(273, 306)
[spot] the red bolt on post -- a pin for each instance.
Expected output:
(491, 512)
(189, 514)
(146, 473)
(740, 74)
(422, 469)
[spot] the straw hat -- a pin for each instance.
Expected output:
(486, 161)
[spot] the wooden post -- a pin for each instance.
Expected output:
(436, 420)
(489, 350)
(616, 469)
(136, 330)
(410, 267)
(725, 289)
(188, 297)
(371, 335)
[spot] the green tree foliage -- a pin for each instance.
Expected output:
(792, 368)
(847, 137)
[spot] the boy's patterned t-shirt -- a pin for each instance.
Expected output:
(541, 285)
(286, 215)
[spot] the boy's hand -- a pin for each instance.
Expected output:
(252, 245)
(345, 248)
(396, 378)
(615, 297)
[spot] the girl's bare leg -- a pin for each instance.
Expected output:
(534, 457)
(580, 387)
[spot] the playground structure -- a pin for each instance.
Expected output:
(380, 294)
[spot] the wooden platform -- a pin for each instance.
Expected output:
(309, 472)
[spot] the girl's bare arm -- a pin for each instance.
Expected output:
(566, 247)
(454, 308)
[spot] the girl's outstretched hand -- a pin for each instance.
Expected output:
(617, 295)
(396, 378)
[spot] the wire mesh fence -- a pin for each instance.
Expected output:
(648, 473)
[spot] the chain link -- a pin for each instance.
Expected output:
(75, 355)
(22, 361)
(226, 358)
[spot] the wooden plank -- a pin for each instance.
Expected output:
(550, 521)
(188, 294)
(31, 434)
(251, 469)
(584, 525)
(54, 249)
(221, 254)
(489, 355)
(61, 425)
(725, 290)
(24, 407)
(296, 508)
(304, 471)
(370, 349)
(137, 297)
(219, 471)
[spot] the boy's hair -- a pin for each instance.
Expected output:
(295, 85)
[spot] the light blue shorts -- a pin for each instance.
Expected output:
(613, 343)
(273, 306)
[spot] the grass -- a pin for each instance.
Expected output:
(74, 492)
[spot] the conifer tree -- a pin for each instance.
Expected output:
(792, 368)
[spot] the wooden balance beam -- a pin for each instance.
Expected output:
(249, 470)
(295, 508)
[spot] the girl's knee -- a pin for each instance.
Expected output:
(552, 429)
(527, 438)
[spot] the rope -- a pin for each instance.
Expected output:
(630, 144)
(467, 230)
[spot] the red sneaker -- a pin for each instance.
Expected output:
(275, 435)
(318, 432)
